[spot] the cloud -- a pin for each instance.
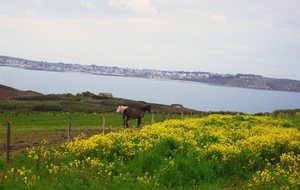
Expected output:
(235, 47)
(138, 6)
(89, 5)
(29, 12)
(219, 17)
(38, 1)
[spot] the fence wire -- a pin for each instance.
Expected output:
(30, 129)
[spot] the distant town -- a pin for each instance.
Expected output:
(233, 80)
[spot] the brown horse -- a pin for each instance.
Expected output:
(130, 113)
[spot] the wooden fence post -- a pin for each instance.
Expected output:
(103, 124)
(8, 141)
(182, 115)
(69, 128)
(152, 119)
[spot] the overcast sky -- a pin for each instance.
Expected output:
(222, 36)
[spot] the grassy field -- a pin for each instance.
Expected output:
(28, 129)
(213, 152)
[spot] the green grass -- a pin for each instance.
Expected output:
(58, 120)
(294, 118)
(28, 129)
(53, 121)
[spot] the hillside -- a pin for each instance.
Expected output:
(232, 80)
(13, 100)
(8, 92)
(261, 83)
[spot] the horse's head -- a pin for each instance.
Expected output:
(120, 109)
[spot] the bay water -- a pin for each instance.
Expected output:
(192, 95)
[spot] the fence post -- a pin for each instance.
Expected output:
(164, 115)
(103, 124)
(152, 119)
(182, 115)
(69, 128)
(8, 140)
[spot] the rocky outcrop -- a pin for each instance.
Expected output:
(105, 95)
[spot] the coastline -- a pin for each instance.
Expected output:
(155, 79)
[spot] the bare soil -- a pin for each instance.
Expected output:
(52, 137)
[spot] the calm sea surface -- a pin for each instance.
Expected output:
(192, 95)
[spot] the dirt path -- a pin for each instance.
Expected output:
(31, 138)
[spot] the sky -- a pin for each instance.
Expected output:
(220, 36)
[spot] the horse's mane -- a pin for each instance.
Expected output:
(146, 108)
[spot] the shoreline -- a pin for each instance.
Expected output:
(155, 79)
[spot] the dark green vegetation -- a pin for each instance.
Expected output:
(84, 102)
(12, 100)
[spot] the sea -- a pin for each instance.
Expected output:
(194, 95)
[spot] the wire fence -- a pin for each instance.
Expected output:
(26, 130)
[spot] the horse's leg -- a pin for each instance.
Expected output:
(126, 123)
(140, 120)
(124, 119)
